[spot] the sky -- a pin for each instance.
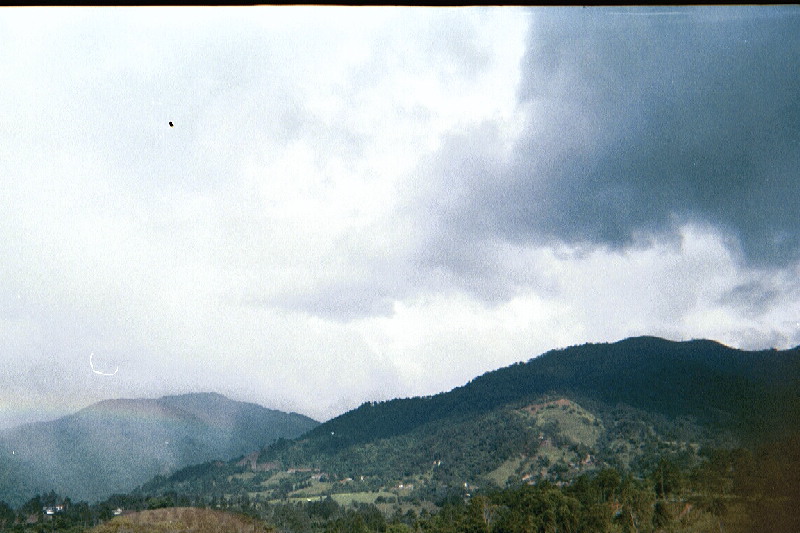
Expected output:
(356, 204)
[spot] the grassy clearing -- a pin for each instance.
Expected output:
(348, 498)
(183, 519)
(316, 488)
(573, 421)
(244, 476)
(275, 478)
(300, 499)
(556, 454)
(508, 469)
(343, 499)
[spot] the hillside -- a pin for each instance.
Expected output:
(623, 405)
(553, 438)
(751, 393)
(115, 445)
(643, 434)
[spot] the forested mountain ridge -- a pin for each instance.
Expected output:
(115, 445)
(752, 393)
(565, 412)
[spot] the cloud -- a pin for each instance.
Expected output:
(635, 124)
(275, 207)
(679, 289)
(358, 204)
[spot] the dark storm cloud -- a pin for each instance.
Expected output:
(638, 122)
(753, 296)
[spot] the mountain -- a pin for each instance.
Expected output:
(580, 409)
(754, 393)
(641, 394)
(115, 445)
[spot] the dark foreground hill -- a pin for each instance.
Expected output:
(115, 445)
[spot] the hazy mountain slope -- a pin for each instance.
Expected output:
(749, 392)
(246, 424)
(115, 445)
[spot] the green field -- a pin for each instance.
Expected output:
(345, 498)
(506, 470)
(572, 421)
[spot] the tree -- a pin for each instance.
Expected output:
(31, 507)
(79, 513)
(636, 513)
(597, 518)
(324, 509)
(50, 499)
(608, 481)
(478, 516)
(661, 516)
(7, 515)
(666, 478)
(351, 522)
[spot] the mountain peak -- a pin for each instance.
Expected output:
(211, 396)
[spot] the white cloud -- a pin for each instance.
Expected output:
(275, 244)
(564, 297)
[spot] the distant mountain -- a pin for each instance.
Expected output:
(115, 445)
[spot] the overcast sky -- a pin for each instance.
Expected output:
(365, 203)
